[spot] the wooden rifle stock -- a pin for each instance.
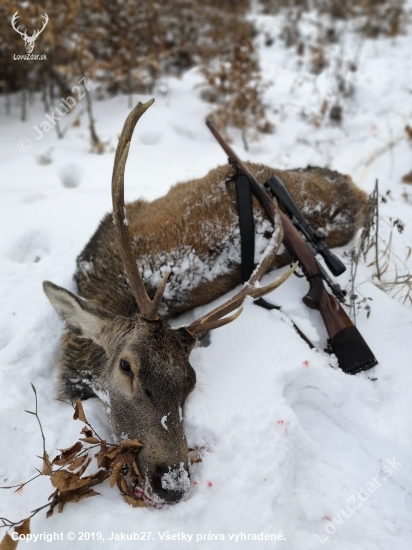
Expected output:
(345, 341)
(333, 315)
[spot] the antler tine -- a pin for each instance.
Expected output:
(46, 20)
(147, 307)
(13, 21)
(216, 318)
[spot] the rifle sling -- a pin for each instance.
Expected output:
(247, 241)
(246, 225)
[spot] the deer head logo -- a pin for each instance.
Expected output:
(28, 40)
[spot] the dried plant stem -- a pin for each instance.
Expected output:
(41, 430)
(8, 523)
(384, 261)
(21, 485)
(376, 192)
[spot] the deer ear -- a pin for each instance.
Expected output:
(80, 317)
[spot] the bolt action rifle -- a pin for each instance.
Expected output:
(345, 341)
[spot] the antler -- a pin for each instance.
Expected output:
(147, 307)
(13, 21)
(216, 318)
(37, 32)
(24, 34)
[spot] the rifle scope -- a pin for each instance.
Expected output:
(315, 238)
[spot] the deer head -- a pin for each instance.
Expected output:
(28, 40)
(145, 376)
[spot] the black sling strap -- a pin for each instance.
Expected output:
(246, 225)
(247, 240)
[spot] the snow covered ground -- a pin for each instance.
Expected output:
(295, 447)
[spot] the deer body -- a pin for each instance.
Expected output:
(193, 232)
(132, 359)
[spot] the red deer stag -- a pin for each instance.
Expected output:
(150, 261)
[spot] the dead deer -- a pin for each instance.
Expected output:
(150, 261)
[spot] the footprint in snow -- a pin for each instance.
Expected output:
(70, 175)
(31, 248)
(184, 132)
(150, 138)
(34, 197)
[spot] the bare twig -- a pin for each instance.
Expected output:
(21, 485)
(376, 192)
(45, 461)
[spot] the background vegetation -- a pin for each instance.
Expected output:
(131, 47)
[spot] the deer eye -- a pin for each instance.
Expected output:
(149, 394)
(125, 366)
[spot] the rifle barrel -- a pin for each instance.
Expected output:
(257, 189)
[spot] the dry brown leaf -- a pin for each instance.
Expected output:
(74, 496)
(106, 455)
(23, 528)
(122, 485)
(8, 543)
(408, 130)
(131, 444)
(102, 460)
(87, 432)
(117, 466)
(54, 500)
(91, 439)
(54, 493)
(194, 455)
(133, 469)
(73, 449)
(98, 477)
(134, 502)
(47, 465)
(67, 454)
(79, 412)
(84, 467)
(112, 452)
(67, 481)
(136, 469)
(77, 462)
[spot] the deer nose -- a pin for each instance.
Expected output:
(171, 483)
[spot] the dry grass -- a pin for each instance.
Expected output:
(391, 272)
